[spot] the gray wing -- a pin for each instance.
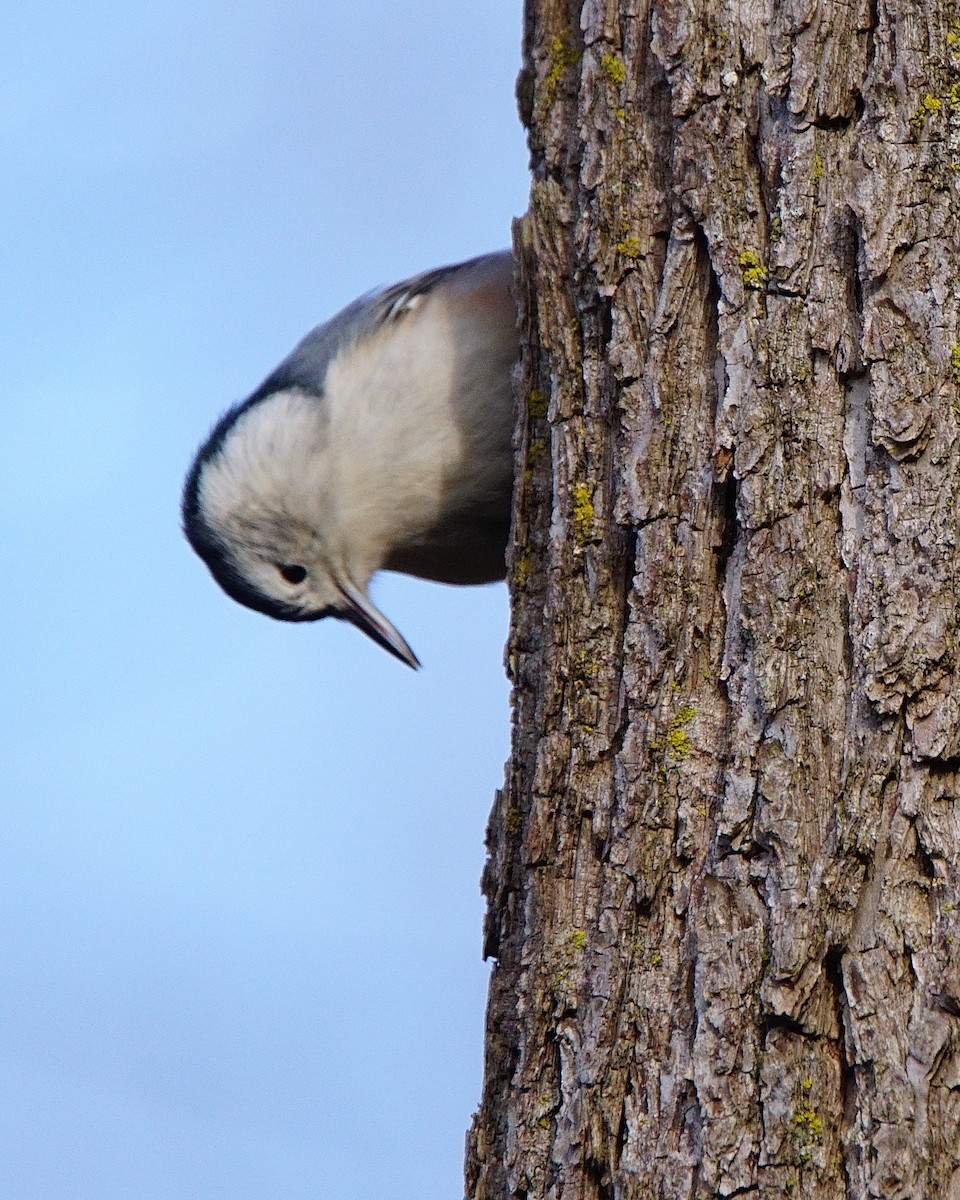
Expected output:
(306, 365)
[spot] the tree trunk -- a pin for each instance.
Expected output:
(723, 876)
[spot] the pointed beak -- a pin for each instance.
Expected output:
(366, 616)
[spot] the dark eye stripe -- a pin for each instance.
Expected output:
(292, 572)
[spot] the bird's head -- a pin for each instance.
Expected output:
(260, 507)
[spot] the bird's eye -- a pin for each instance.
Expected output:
(292, 573)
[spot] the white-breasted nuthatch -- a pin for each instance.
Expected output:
(382, 441)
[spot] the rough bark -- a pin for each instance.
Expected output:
(723, 873)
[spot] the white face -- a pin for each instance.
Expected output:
(264, 498)
(288, 570)
(260, 496)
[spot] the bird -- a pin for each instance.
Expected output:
(382, 442)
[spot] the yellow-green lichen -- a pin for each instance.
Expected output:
(929, 106)
(614, 68)
(629, 246)
(583, 664)
(753, 271)
(514, 821)
(521, 568)
(818, 166)
(562, 57)
(537, 404)
(573, 946)
(583, 513)
(678, 740)
(955, 362)
(536, 451)
(808, 1124)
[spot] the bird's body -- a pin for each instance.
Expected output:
(382, 442)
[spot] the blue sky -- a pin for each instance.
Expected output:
(239, 860)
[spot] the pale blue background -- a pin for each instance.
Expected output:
(239, 860)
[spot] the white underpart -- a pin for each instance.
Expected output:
(392, 420)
